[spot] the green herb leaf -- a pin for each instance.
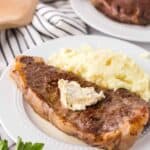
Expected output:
(3, 145)
(37, 146)
(28, 145)
(21, 145)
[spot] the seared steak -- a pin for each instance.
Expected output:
(112, 124)
(128, 11)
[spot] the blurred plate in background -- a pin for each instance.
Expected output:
(97, 20)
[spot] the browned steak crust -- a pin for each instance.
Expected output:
(127, 11)
(112, 124)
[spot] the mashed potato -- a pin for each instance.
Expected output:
(105, 68)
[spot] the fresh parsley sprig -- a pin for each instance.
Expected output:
(3, 145)
(22, 145)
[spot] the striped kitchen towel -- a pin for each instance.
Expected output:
(52, 19)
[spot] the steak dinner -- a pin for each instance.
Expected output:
(113, 123)
(127, 11)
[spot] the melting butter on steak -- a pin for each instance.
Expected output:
(74, 97)
(113, 124)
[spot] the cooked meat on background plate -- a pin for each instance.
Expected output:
(126, 11)
(113, 123)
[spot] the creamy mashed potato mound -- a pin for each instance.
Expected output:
(106, 68)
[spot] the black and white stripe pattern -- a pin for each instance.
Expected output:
(52, 19)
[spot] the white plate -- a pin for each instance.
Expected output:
(18, 119)
(97, 20)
